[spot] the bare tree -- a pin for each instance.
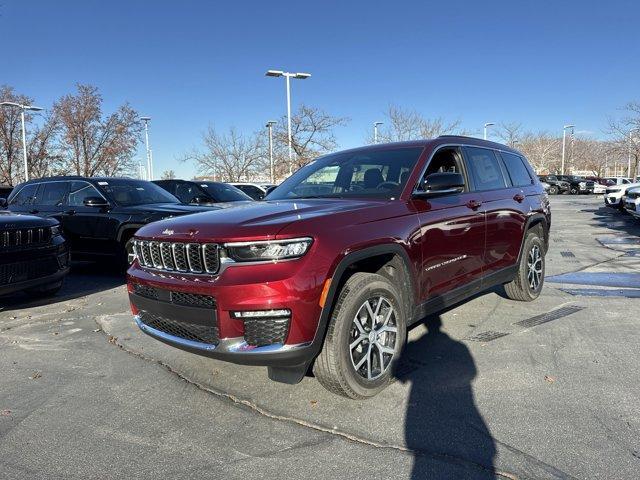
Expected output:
(43, 157)
(510, 133)
(543, 151)
(11, 159)
(625, 133)
(405, 124)
(311, 135)
(93, 144)
(230, 157)
(168, 175)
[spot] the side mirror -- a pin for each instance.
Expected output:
(269, 190)
(3, 203)
(441, 184)
(97, 202)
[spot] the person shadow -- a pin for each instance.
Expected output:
(443, 426)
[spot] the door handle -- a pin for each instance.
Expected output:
(474, 204)
(70, 212)
(518, 197)
(34, 211)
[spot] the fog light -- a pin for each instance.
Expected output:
(262, 313)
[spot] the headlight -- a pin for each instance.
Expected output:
(268, 250)
(55, 230)
(582, 184)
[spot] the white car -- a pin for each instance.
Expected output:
(618, 180)
(632, 201)
(254, 190)
(599, 188)
(613, 195)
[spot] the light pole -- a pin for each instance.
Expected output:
(630, 143)
(270, 125)
(146, 137)
(486, 125)
(375, 131)
(564, 143)
(23, 108)
(287, 76)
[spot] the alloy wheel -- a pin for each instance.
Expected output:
(534, 267)
(373, 338)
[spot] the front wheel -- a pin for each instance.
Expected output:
(573, 191)
(528, 282)
(553, 190)
(365, 336)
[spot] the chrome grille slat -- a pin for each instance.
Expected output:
(21, 237)
(177, 256)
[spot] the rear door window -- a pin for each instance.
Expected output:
(485, 169)
(516, 169)
(52, 194)
(79, 191)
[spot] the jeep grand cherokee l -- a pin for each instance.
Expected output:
(98, 215)
(33, 255)
(340, 260)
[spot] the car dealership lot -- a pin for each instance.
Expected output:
(491, 388)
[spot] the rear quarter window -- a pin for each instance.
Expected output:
(486, 172)
(516, 169)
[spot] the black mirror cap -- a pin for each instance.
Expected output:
(95, 202)
(441, 183)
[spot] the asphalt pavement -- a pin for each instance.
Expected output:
(489, 389)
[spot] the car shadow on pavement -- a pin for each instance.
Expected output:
(84, 279)
(616, 220)
(443, 425)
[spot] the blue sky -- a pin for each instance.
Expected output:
(189, 64)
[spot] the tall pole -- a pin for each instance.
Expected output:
(24, 146)
(287, 76)
(564, 142)
(146, 137)
(486, 125)
(270, 126)
(375, 131)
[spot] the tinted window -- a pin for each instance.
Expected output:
(79, 191)
(485, 169)
(25, 196)
(135, 192)
(365, 173)
(188, 192)
(252, 191)
(222, 192)
(52, 193)
(517, 170)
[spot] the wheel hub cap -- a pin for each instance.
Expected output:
(373, 338)
(534, 267)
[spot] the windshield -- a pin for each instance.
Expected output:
(223, 192)
(135, 192)
(371, 173)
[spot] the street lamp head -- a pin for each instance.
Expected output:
(489, 124)
(145, 119)
(375, 124)
(33, 108)
(274, 73)
(302, 76)
(568, 126)
(270, 123)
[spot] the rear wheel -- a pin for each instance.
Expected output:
(528, 282)
(553, 190)
(574, 190)
(364, 338)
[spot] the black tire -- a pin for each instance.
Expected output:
(553, 190)
(126, 250)
(44, 291)
(335, 367)
(521, 288)
(573, 191)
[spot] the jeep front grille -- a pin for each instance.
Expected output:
(178, 257)
(25, 236)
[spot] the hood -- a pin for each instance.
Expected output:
(264, 220)
(176, 208)
(222, 204)
(10, 220)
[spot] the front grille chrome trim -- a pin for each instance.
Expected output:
(193, 258)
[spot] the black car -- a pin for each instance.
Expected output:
(203, 193)
(98, 216)
(578, 184)
(33, 255)
(557, 186)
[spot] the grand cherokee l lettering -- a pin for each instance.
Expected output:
(329, 272)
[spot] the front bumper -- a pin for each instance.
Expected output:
(208, 327)
(632, 207)
(612, 200)
(22, 270)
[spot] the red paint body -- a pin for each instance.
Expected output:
(479, 232)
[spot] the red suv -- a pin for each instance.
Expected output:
(341, 259)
